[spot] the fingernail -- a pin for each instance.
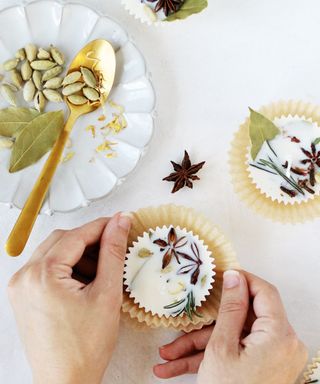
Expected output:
(125, 220)
(231, 279)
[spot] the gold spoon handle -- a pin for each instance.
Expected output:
(23, 227)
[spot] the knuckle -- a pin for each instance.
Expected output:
(232, 305)
(273, 289)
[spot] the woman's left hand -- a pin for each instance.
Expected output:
(69, 328)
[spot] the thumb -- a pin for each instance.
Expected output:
(232, 313)
(113, 248)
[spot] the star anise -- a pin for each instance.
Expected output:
(171, 246)
(168, 6)
(313, 159)
(193, 266)
(184, 173)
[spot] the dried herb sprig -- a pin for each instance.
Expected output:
(189, 308)
(270, 164)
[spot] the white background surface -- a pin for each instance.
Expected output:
(206, 72)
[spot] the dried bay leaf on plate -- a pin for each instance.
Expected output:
(12, 120)
(261, 129)
(188, 8)
(36, 139)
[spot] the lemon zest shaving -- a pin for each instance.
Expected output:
(102, 118)
(105, 146)
(114, 105)
(68, 157)
(117, 124)
(92, 129)
(111, 155)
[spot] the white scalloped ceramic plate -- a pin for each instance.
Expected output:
(80, 181)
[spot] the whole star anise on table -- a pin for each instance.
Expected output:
(184, 173)
(313, 159)
(171, 246)
(168, 6)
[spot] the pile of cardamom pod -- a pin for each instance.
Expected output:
(81, 86)
(36, 71)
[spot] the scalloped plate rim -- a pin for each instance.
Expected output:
(147, 75)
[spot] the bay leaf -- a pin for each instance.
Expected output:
(36, 139)
(260, 130)
(188, 8)
(12, 120)
(317, 141)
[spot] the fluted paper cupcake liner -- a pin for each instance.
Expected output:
(221, 249)
(313, 371)
(245, 187)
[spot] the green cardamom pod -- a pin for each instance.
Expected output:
(91, 94)
(29, 91)
(31, 52)
(51, 73)
(21, 54)
(16, 78)
(89, 77)
(71, 78)
(26, 71)
(8, 94)
(72, 89)
(43, 54)
(52, 95)
(42, 65)
(39, 101)
(54, 83)
(77, 99)
(37, 79)
(11, 64)
(57, 55)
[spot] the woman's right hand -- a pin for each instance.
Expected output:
(252, 341)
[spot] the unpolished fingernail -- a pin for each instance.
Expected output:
(125, 221)
(231, 279)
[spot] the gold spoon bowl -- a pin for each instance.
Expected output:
(99, 56)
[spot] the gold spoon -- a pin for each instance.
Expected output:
(99, 56)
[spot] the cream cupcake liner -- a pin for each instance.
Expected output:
(245, 187)
(311, 369)
(208, 255)
(224, 259)
(141, 12)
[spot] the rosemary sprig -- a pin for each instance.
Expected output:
(271, 149)
(262, 169)
(272, 165)
(189, 308)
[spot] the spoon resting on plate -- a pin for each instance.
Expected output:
(98, 56)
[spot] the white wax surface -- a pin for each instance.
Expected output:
(154, 288)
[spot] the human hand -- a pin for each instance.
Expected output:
(69, 329)
(250, 343)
